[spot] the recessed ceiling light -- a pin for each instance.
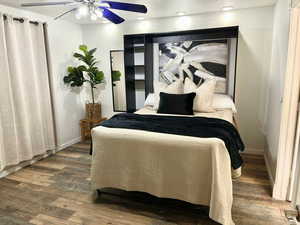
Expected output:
(180, 13)
(227, 8)
(140, 18)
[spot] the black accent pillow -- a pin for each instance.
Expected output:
(176, 103)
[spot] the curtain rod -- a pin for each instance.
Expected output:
(21, 20)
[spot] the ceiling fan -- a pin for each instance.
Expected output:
(94, 8)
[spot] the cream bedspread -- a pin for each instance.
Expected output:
(192, 169)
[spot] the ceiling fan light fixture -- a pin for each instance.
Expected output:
(83, 11)
(99, 13)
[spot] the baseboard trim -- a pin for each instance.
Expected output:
(69, 143)
(15, 168)
(268, 165)
(254, 151)
(21, 165)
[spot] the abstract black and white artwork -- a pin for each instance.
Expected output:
(198, 60)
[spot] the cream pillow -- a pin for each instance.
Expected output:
(204, 94)
(174, 88)
(150, 100)
(221, 101)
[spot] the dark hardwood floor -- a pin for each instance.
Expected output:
(56, 190)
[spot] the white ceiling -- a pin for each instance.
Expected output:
(156, 8)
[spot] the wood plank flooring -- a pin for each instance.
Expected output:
(56, 191)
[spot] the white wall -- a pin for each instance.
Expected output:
(253, 57)
(296, 3)
(276, 80)
(64, 38)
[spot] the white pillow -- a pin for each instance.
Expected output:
(221, 101)
(174, 88)
(204, 94)
(150, 100)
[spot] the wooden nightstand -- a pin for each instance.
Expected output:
(86, 127)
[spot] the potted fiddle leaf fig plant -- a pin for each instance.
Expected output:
(86, 72)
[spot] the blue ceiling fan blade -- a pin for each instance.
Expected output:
(127, 6)
(112, 16)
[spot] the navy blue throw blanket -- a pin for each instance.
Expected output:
(187, 126)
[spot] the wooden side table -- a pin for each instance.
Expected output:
(86, 127)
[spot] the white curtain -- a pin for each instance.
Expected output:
(26, 120)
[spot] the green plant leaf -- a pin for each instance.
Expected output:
(91, 52)
(75, 77)
(67, 79)
(83, 68)
(93, 69)
(70, 69)
(99, 77)
(94, 63)
(78, 56)
(83, 48)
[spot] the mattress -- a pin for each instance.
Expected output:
(192, 169)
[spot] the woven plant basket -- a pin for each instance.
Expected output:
(93, 111)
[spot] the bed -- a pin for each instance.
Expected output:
(192, 169)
